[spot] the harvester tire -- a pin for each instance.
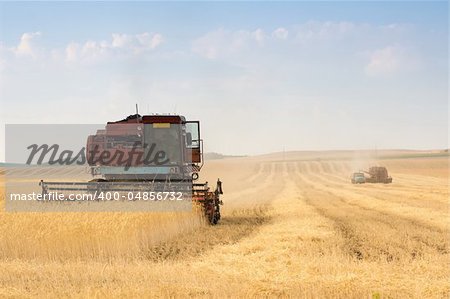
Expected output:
(212, 213)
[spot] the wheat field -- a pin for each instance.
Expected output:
(292, 226)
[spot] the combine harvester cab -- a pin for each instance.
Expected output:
(147, 153)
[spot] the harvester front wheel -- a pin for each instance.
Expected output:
(94, 186)
(212, 213)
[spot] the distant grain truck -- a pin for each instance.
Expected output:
(358, 178)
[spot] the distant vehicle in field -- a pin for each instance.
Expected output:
(378, 174)
(358, 178)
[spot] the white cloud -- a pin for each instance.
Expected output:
(120, 40)
(385, 61)
(26, 46)
(222, 42)
(120, 44)
(90, 51)
(148, 41)
(95, 49)
(72, 51)
(326, 30)
(259, 36)
(138, 42)
(280, 33)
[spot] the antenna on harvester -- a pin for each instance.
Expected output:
(137, 113)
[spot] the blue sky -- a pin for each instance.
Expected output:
(261, 76)
(77, 20)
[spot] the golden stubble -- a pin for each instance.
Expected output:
(293, 228)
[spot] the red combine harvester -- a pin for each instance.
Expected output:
(152, 152)
(378, 174)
